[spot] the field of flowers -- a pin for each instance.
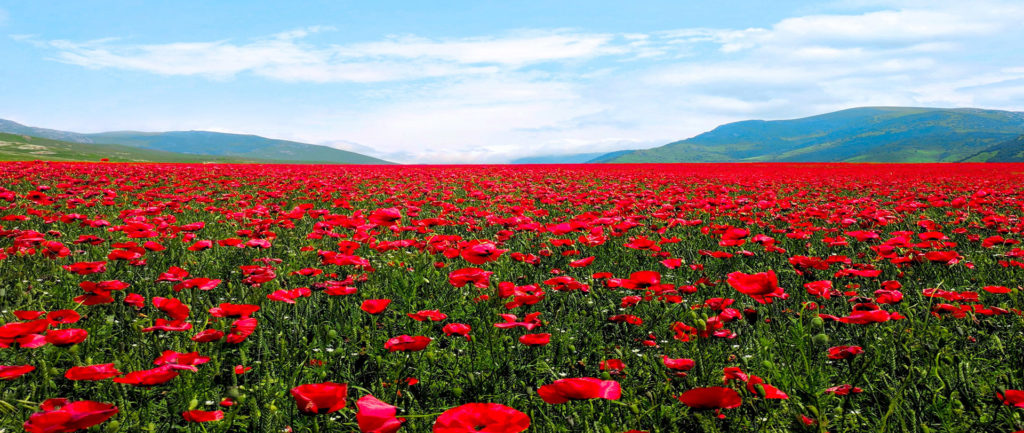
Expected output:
(659, 298)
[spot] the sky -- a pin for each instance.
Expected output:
(489, 81)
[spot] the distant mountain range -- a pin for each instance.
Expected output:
(868, 134)
(218, 146)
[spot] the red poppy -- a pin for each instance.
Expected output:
(86, 268)
(10, 372)
(713, 397)
(155, 376)
(208, 335)
(241, 329)
(375, 306)
(996, 289)
(241, 369)
(756, 385)
(66, 337)
(181, 360)
(63, 317)
(407, 343)
(845, 389)
(424, 315)
(234, 310)
(479, 277)
(844, 352)
(460, 329)
(614, 365)
(92, 372)
(535, 339)
(386, 217)
(375, 416)
(174, 308)
(481, 417)
(1012, 397)
(320, 398)
(582, 388)
(581, 263)
(203, 415)
(69, 417)
(683, 364)
(481, 253)
(762, 286)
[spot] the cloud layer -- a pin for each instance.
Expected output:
(496, 97)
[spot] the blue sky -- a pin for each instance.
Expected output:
(488, 81)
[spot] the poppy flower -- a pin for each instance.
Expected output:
(481, 417)
(92, 372)
(844, 352)
(203, 415)
(375, 416)
(683, 364)
(63, 317)
(234, 310)
(10, 372)
(407, 343)
(320, 398)
(155, 376)
(208, 335)
(762, 287)
(424, 315)
(66, 337)
(241, 369)
(757, 385)
(460, 329)
(1012, 397)
(385, 217)
(69, 417)
(845, 389)
(581, 388)
(713, 397)
(481, 253)
(478, 277)
(614, 365)
(241, 329)
(375, 306)
(535, 339)
(582, 263)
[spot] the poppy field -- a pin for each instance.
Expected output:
(577, 298)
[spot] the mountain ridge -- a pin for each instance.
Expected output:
(195, 142)
(862, 134)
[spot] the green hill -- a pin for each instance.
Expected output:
(198, 143)
(16, 147)
(868, 134)
(1008, 151)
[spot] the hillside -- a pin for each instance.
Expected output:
(16, 147)
(1008, 151)
(869, 134)
(237, 146)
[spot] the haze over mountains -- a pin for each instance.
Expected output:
(866, 134)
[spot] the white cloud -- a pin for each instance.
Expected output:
(285, 56)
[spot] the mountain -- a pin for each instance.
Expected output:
(11, 127)
(238, 146)
(605, 157)
(18, 147)
(867, 134)
(1008, 151)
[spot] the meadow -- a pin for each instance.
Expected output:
(576, 298)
